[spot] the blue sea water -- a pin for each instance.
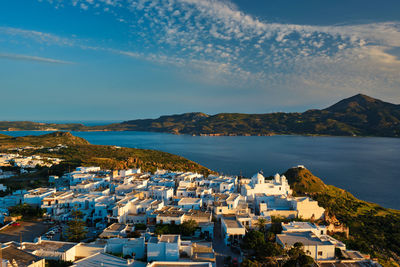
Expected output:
(368, 167)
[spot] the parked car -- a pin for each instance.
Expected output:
(235, 262)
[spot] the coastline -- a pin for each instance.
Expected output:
(199, 135)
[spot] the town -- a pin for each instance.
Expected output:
(97, 217)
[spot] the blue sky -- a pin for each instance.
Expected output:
(127, 59)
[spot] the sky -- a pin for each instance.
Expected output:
(127, 59)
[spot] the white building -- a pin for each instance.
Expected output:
(291, 227)
(134, 247)
(190, 203)
(288, 207)
(35, 196)
(160, 193)
(169, 215)
(232, 230)
(319, 248)
(278, 186)
(165, 248)
(308, 208)
(52, 250)
(127, 172)
(88, 169)
(103, 260)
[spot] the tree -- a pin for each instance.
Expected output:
(297, 257)
(270, 249)
(188, 227)
(261, 223)
(26, 211)
(276, 228)
(296, 250)
(253, 240)
(134, 234)
(76, 230)
(248, 263)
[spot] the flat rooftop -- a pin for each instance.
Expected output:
(188, 200)
(49, 246)
(232, 222)
(293, 226)
(101, 259)
(170, 212)
(180, 264)
(116, 227)
(169, 238)
(306, 238)
(21, 257)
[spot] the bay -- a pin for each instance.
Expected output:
(368, 167)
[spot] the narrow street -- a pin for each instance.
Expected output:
(221, 250)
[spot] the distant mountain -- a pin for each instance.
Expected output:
(38, 126)
(359, 115)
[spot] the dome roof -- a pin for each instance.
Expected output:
(257, 176)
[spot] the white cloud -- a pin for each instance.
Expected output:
(84, 6)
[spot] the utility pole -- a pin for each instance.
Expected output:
(1, 255)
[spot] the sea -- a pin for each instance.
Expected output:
(368, 167)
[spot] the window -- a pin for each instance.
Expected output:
(322, 232)
(319, 253)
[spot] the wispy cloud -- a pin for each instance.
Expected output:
(37, 36)
(216, 39)
(33, 58)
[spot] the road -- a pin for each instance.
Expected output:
(221, 250)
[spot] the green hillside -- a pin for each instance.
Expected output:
(373, 229)
(80, 152)
(50, 139)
